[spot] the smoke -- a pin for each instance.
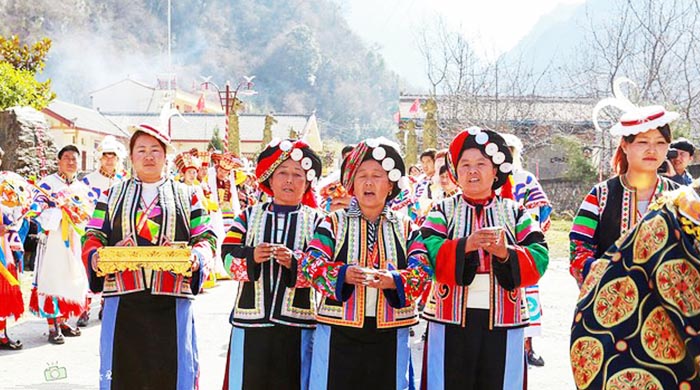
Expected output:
(81, 62)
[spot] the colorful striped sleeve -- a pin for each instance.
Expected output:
(583, 245)
(96, 236)
(532, 196)
(448, 259)
(326, 276)
(296, 277)
(434, 232)
(202, 237)
(411, 282)
(239, 259)
(533, 254)
(528, 257)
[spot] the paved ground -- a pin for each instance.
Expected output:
(36, 366)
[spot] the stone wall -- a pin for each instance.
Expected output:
(566, 195)
(24, 136)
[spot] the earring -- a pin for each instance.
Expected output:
(495, 179)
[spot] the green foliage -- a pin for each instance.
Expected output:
(216, 142)
(681, 129)
(19, 64)
(296, 59)
(22, 56)
(303, 53)
(580, 167)
(20, 88)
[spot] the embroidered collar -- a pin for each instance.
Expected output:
(276, 208)
(156, 184)
(452, 193)
(658, 187)
(479, 202)
(65, 178)
(107, 174)
(355, 211)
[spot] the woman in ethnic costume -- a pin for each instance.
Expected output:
(614, 206)
(188, 165)
(484, 249)
(112, 154)
(148, 335)
(11, 302)
(15, 195)
(636, 322)
(273, 316)
(371, 266)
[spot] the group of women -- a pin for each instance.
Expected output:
(327, 300)
(324, 300)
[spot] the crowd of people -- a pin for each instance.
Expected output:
(334, 272)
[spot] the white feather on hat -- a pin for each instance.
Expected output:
(635, 119)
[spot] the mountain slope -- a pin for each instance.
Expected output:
(303, 53)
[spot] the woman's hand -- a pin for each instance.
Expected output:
(355, 275)
(129, 242)
(382, 280)
(485, 238)
(500, 247)
(94, 260)
(283, 255)
(340, 203)
(263, 253)
(194, 259)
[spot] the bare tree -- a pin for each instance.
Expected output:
(651, 42)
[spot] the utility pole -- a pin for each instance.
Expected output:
(231, 104)
(170, 58)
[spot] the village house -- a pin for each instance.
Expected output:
(536, 120)
(82, 127)
(129, 95)
(196, 130)
(129, 102)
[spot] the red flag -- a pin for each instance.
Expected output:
(397, 117)
(200, 103)
(414, 107)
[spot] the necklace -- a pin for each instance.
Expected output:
(106, 174)
(66, 178)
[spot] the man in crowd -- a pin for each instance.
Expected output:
(686, 150)
(60, 280)
(427, 162)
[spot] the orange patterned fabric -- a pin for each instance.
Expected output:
(638, 315)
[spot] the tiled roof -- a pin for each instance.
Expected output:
(529, 108)
(200, 127)
(84, 118)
